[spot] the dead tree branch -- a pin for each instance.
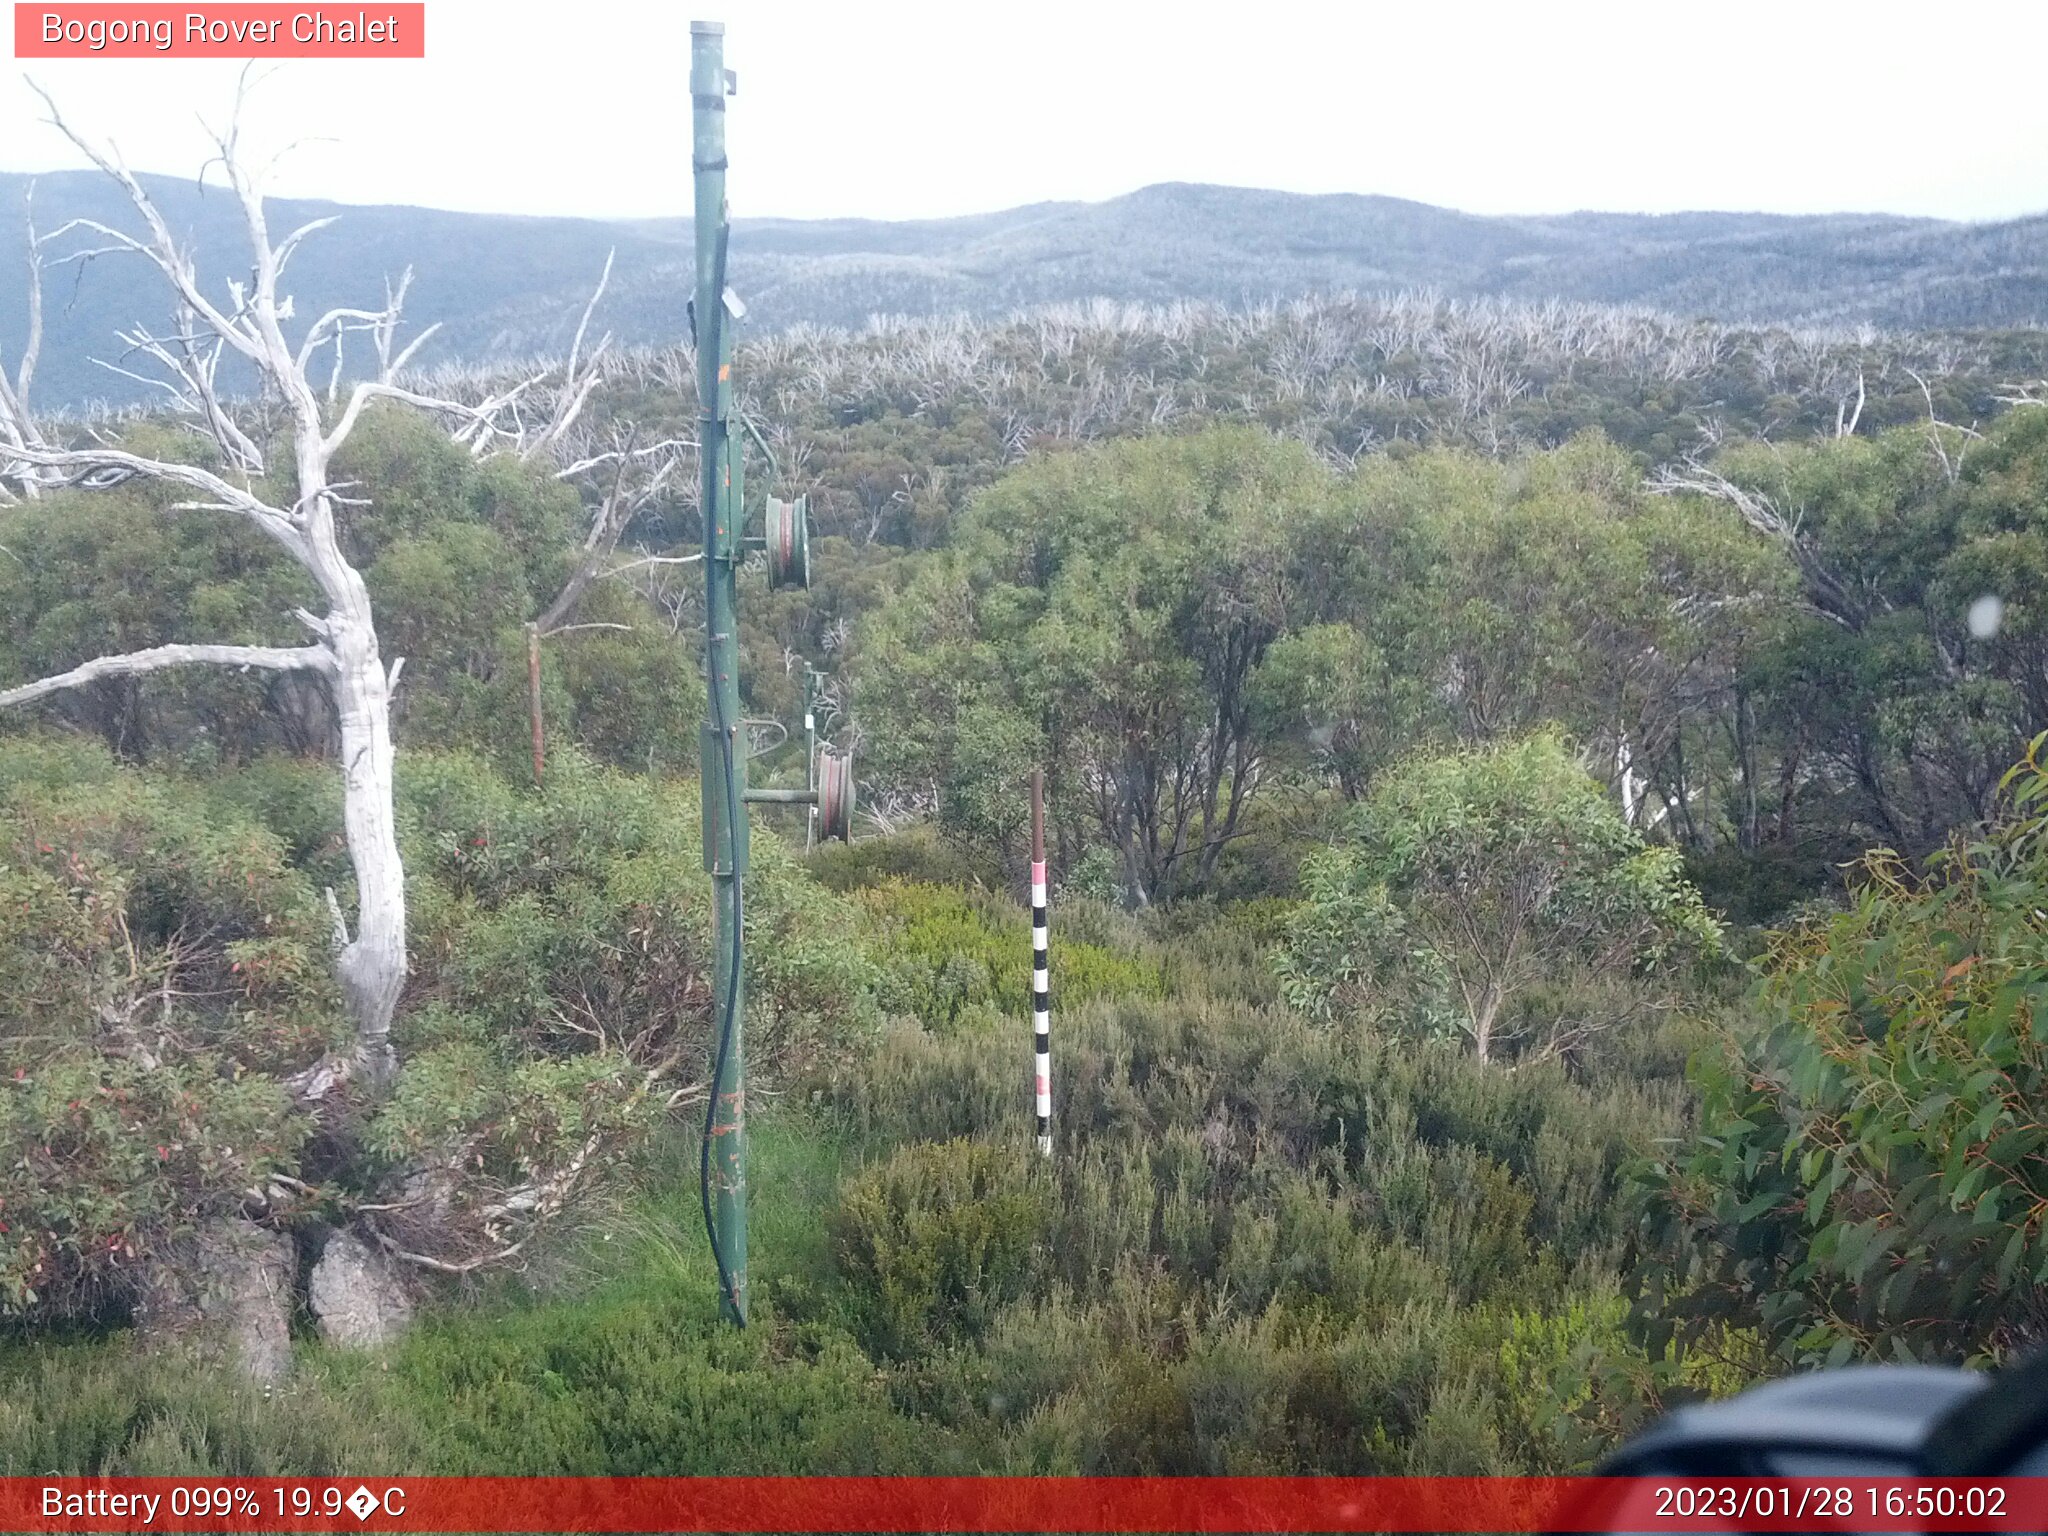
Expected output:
(306, 658)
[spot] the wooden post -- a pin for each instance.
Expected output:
(1041, 988)
(533, 700)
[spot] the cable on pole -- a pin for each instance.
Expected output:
(713, 335)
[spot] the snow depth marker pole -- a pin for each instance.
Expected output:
(1041, 989)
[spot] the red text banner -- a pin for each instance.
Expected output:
(220, 31)
(1017, 1504)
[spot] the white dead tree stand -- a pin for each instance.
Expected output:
(248, 323)
(17, 426)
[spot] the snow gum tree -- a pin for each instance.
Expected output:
(266, 458)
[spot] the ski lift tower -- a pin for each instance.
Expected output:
(785, 540)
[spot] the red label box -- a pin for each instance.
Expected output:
(1099, 1506)
(380, 30)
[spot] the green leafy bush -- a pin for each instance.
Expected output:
(1871, 1174)
(109, 1408)
(161, 967)
(561, 988)
(1188, 1128)
(1467, 879)
(634, 1376)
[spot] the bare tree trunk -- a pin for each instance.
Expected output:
(1750, 829)
(1788, 789)
(1483, 1020)
(1624, 769)
(372, 964)
(1682, 806)
(621, 504)
(17, 423)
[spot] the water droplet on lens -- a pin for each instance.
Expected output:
(1986, 614)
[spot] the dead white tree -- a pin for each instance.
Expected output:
(1845, 418)
(638, 478)
(1826, 591)
(17, 426)
(249, 325)
(1937, 430)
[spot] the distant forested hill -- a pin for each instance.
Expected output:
(505, 286)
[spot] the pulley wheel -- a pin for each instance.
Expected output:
(835, 794)
(789, 543)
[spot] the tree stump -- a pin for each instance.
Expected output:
(226, 1290)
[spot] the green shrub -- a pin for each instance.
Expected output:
(952, 958)
(51, 761)
(915, 1086)
(635, 697)
(585, 907)
(561, 985)
(299, 800)
(917, 855)
(161, 967)
(934, 1241)
(1871, 1176)
(1751, 889)
(1202, 1095)
(1466, 879)
(1571, 1385)
(164, 966)
(642, 1384)
(486, 837)
(1223, 950)
(109, 1409)
(634, 1376)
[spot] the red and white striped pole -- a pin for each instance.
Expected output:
(1041, 988)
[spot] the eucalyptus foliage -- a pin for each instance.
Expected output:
(1870, 1176)
(1464, 880)
(1107, 611)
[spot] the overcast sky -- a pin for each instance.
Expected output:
(890, 109)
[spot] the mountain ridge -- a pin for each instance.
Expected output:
(509, 285)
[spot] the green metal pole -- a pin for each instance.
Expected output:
(723, 747)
